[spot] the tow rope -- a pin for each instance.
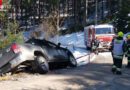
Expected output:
(8, 76)
(100, 49)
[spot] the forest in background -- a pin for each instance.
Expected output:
(21, 15)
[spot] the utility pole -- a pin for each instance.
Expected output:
(96, 12)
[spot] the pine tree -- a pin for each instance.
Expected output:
(122, 21)
(8, 33)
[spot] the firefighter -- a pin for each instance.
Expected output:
(117, 47)
(128, 51)
(96, 45)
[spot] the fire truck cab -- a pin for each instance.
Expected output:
(98, 36)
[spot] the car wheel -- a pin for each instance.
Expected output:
(42, 65)
(72, 61)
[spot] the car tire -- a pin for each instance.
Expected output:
(42, 64)
(72, 61)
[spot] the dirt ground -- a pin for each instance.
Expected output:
(97, 76)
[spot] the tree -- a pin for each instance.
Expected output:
(86, 12)
(9, 33)
(122, 21)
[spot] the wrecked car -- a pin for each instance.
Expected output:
(39, 54)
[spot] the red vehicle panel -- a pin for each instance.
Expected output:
(105, 38)
(104, 33)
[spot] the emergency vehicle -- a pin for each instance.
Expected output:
(98, 36)
(1, 4)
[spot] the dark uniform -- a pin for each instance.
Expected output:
(118, 48)
(128, 52)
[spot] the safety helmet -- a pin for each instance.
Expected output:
(128, 36)
(120, 34)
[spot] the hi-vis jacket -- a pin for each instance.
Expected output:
(118, 47)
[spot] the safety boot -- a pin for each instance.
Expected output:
(113, 69)
(118, 71)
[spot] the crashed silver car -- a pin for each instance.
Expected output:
(39, 54)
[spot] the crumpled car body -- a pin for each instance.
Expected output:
(38, 51)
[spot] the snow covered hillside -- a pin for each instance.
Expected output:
(76, 39)
(75, 43)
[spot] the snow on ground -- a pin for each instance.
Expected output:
(26, 34)
(75, 43)
(81, 55)
(76, 39)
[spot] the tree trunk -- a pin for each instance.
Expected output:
(86, 12)
(21, 10)
(109, 8)
(102, 9)
(58, 19)
(39, 17)
(96, 11)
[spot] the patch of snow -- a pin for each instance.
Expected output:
(81, 55)
(76, 39)
(72, 41)
(129, 14)
(126, 26)
(104, 25)
(26, 34)
(65, 25)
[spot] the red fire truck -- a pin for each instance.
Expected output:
(1, 4)
(98, 36)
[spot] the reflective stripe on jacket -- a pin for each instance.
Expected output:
(117, 56)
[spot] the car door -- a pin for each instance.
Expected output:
(50, 50)
(56, 52)
(62, 53)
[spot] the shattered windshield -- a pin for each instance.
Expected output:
(103, 31)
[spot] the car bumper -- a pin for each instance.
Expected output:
(16, 61)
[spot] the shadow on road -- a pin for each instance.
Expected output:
(96, 77)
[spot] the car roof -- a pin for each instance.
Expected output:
(38, 40)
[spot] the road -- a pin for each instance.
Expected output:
(97, 76)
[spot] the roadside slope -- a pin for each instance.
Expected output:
(95, 77)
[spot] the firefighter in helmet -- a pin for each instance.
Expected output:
(128, 50)
(118, 48)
